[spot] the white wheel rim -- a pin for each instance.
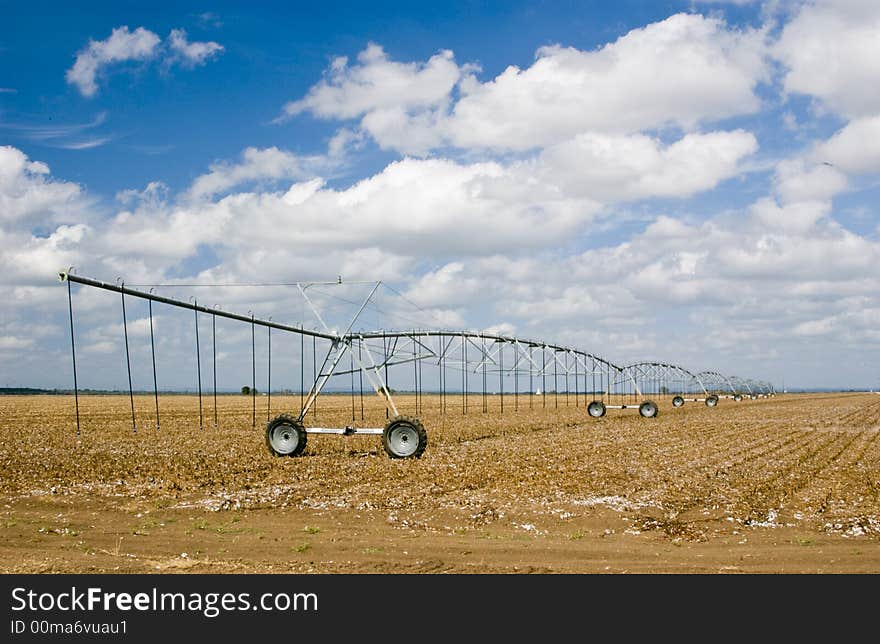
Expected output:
(677, 402)
(648, 410)
(284, 438)
(403, 440)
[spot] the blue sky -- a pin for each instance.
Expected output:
(164, 125)
(687, 181)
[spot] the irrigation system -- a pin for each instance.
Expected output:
(466, 368)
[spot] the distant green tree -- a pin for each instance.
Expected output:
(246, 391)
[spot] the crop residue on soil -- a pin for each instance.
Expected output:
(784, 484)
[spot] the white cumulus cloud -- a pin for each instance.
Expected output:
(191, 54)
(683, 71)
(139, 45)
(27, 193)
(122, 45)
(401, 103)
(259, 165)
(800, 179)
(377, 83)
(831, 51)
(855, 148)
(626, 167)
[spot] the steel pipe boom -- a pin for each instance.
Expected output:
(379, 335)
(76, 279)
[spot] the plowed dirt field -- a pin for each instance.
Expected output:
(786, 484)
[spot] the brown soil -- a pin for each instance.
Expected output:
(788, 484)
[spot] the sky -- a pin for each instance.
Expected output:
(693, 182)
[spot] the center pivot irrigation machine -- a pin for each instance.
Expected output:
(465, 368)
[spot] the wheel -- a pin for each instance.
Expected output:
(648, 409)
(678, 401)
(738, 397)
(285, 436)
(712, 400)
(404, 437)
(753, 397)
(596, 409)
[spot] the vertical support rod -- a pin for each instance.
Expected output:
(199, 367)
(153, 354)
(566, 378)
(531, 378)
(302, 370)
(315, 373)
(555, 381)
(421, 382)
(269, 378)
(544, 376)
(464, 374)
(128, 359)
(361, 376)
(516, 350)
(351, 369)
(440, 342)
(501, 374)
(484, 360)
(594, 382)
(387, 382)
(214, 364)
(73, 355)
(415, 376)
(253, 375)
(609, 387)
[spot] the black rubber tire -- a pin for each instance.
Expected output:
(276, 425)
(596, 409)
(392, 443)
(677, 401)
(738, 397)
(649, 409)
(711, 401)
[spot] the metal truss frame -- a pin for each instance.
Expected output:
(505, 357)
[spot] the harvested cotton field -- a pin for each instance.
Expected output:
(789, 483)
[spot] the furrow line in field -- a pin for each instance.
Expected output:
(687, 437)
(870, 411)
(863, 476)
(764, 496)
(735, 448)
(830, 484)
(701, 484)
